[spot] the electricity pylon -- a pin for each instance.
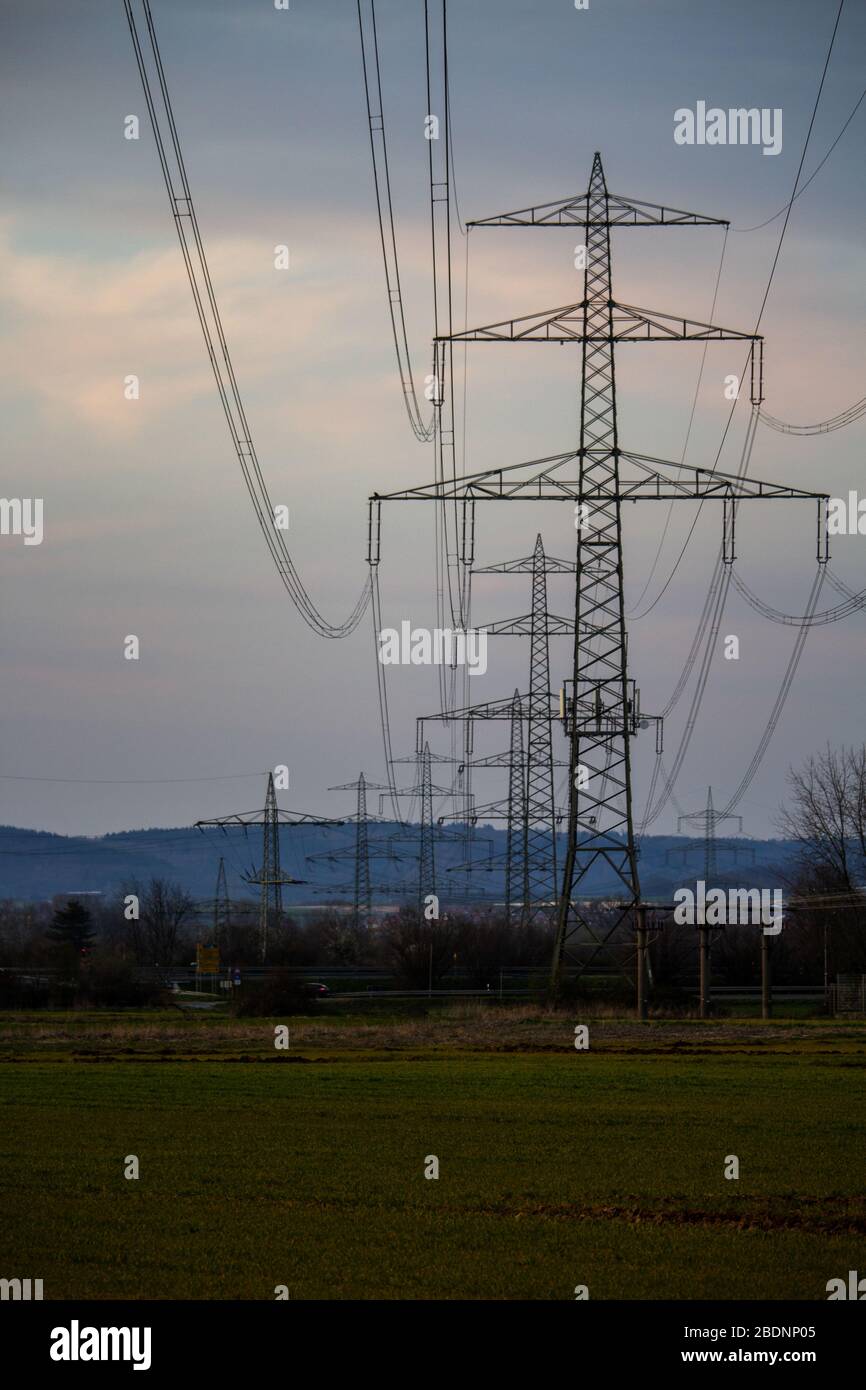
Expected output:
(423, 789)
(362, 905)
(516, 868)
(529, 810)
(221, 907)
(539, 831)
(601, 708)
(269, 878)
(427, 856)
(709, 818)
(364, 848)
(511, 809)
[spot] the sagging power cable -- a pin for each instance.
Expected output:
(766, 296)
(385, 214)
(201, 284)
(836, 422)
(810, 618)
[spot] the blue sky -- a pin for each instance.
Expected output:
(148, 529)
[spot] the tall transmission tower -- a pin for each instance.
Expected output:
(601, 702)
(269, 877)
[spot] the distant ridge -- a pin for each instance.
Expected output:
(37, 864)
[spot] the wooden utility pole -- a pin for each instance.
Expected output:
(640, 923)
(766, 983)
(704, 956)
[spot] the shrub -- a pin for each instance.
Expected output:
(110, 983)
(276, 996)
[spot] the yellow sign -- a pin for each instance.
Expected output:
(207, 960)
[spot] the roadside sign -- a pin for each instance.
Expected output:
(207, 960)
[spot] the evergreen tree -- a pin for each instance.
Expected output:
(72, 927)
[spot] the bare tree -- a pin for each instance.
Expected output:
(418, 951)
(826, 813)
(827, 816)
(164, 907)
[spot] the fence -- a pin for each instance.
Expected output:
(848, 996)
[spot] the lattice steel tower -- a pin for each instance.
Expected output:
(269, 879)
(601, 704)
(426, 857)
(539, 848)
(601, 714)
(600, 681)
(362, 906)
(516, 870)
(540, 808)
(221, 907)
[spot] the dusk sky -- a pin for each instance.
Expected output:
(148, 528)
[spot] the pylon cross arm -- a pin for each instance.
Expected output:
(653, 479)
(599, 321)
(621, 212)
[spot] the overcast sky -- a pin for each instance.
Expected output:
(148, 527)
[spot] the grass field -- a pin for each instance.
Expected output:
(306, 1167)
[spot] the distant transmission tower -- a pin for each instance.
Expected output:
(362, 903)
(708, 819)
(429, 831)
(511, 809)
(427, 857)
(516, 871)
(540, 807)
(221, 908)
(268, 878)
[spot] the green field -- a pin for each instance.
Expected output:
(306, 1168)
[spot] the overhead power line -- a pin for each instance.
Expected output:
(787, 681)
(766, 295)
(385, 214)
(192, 247)
(129, 781)
(810, 618)
(815, 171)
(836, 422)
